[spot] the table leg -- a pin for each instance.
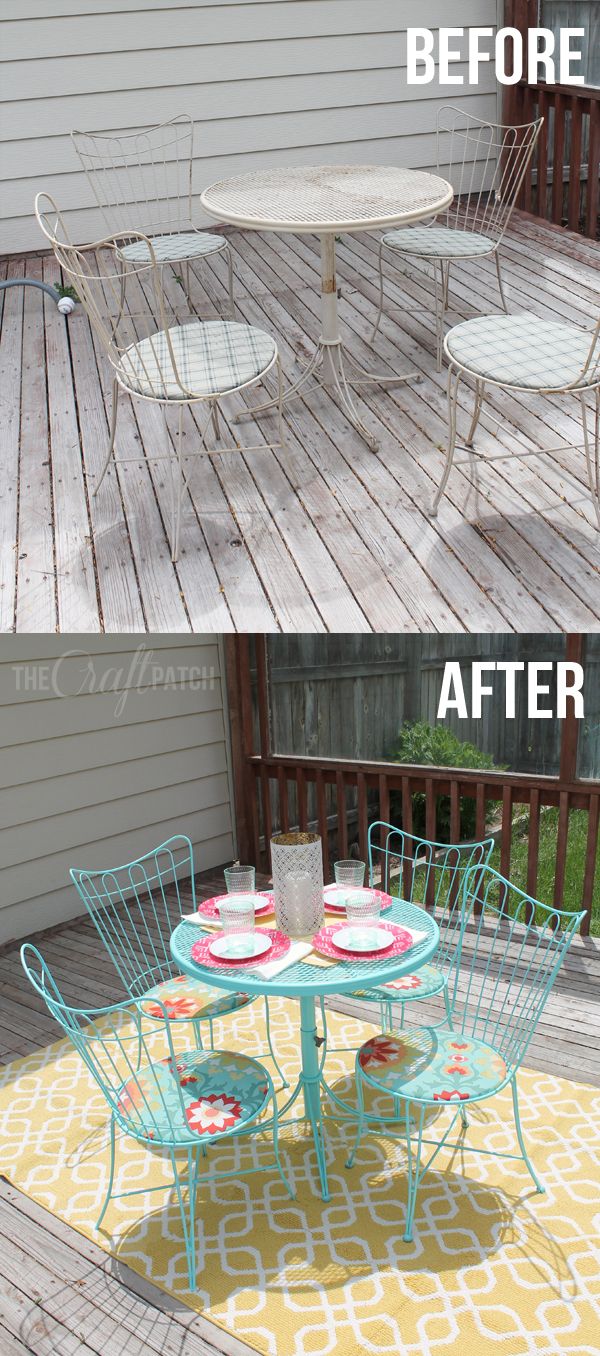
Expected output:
(310, 1079)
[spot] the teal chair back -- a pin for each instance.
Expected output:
(136, 907)
(427, 873)
(114, 1044)
(511, 949)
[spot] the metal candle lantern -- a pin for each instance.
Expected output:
(298, 883)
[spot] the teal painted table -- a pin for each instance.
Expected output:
(306, 983)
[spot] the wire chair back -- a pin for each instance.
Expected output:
(127, 307)
(141, 179)
(427, 873)
(486, 164)
(116, 1046)
(136, 907)
(511, 949)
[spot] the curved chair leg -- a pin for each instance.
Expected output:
(453, 377)
(287, 1185)
(535, 1179)
(282, 1076)
(360, 1124)
(188, 1221)
(113, 429)
(448, 1007)
(215, 419)
(441, 306)
(177, 491)
(479, 394)
(500, 283)
(380, 311)
(592, 461)
(111, 1173)
(230, 280)
(414, 1164)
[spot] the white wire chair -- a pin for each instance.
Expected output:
(524, 353)
(152, 355)
(142, 181)
(486, 163)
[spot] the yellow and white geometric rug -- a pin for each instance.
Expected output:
(493, 1268)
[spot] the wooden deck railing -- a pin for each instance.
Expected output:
(563, 181)
(340, 798)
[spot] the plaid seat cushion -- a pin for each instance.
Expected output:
(523, 351)
(439, 242)
(169, 248)
(211, 357)
(429, 1065)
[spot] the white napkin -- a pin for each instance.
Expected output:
(297, 952)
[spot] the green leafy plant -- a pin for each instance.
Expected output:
(66, 291)
(422, 744)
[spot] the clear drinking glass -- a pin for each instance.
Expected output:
(240, 880)
(349, 872)
(363, 907)
(236, 913)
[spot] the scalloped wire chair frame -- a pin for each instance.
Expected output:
(101, 294)
(135, 908)
(505, 151)
(155, 167)
(508, 976)
(102, 1037)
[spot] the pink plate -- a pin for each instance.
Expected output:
(324, 943)
(209, 907)
(332, 907)
(280, 944)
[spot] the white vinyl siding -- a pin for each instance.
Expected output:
(267, 82)
(84, 782)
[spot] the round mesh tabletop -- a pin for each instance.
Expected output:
(327, 198)
(303, 979)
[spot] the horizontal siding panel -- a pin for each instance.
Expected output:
(52, 676)
(81, 784)
(268, 82)
(173, 26)
(100, 748)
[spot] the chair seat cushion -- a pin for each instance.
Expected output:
(431, 1065)
(203, 1094)
(439, 242)
(169, 248)
(426, 981)
(521, 350)
(185, 999)
(211, 358)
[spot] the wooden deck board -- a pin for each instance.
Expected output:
(59, 1292)
(320, 535)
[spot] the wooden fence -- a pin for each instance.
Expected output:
(294, 792)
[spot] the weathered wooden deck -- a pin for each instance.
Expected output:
(60, 1294)
(323, 534)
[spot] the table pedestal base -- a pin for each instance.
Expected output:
(331, 365)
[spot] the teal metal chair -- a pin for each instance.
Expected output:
(510, 950)
(135, 908)
(433, 875)
(176, 1106)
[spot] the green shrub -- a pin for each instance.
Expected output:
(436, 746)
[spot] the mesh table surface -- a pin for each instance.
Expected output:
(327, 198)
(302, 979)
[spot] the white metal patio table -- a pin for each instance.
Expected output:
(329, 200)
(306, 982)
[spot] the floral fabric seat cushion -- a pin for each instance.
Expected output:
(189, 999)
(426, 981)
(439, 242)
(169, 248)
(202, 1094)
(524, 351)
(429, 1065)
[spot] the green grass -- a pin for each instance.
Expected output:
(575, 865)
